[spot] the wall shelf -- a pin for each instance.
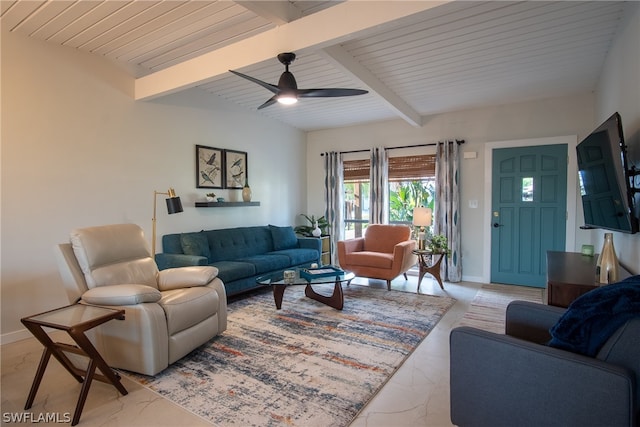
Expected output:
(225, 204)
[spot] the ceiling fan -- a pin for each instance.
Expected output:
(287, 92)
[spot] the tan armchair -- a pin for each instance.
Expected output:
(384, 252)
(168, 313)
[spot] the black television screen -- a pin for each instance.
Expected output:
(607, 198)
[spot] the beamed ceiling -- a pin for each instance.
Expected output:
(416, 58)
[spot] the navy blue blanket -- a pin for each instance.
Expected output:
(593, 317)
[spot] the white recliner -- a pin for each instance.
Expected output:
(168, 313)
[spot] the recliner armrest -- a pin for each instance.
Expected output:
(186, 277)
(531, 321)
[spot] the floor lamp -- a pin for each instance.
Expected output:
(174, 205)
(422, 218)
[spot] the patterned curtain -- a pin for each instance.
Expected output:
(334, 199)
(447, 206)
(379, 192)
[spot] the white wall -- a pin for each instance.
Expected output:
(619, 90)
(78, 151)
(536, 119)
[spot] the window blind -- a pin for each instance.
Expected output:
(400, 168)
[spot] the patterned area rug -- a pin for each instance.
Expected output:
(488, 308)
(304, 365)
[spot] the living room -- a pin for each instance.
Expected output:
(73, 135)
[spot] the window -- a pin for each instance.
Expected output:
(411, 184)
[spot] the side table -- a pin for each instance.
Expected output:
(75, 320)
(426, 265)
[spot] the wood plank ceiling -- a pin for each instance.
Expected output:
(432, 57)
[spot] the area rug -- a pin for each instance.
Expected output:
(488, 308)
(304, 365)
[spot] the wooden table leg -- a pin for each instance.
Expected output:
(278, 294)
(108, 374)
(84, 391)
(434, 270)
(44, 360)
(336, 300)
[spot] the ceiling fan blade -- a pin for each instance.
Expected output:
(269, 102)
(329, 92)
(268, 86)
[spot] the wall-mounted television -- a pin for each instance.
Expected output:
(604, 176)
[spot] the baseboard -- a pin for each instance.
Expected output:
(20, 335)
(476, 279)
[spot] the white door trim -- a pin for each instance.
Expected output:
(572, 171)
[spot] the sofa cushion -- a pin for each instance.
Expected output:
(383, 237)
(283, 237)
(195, 244)
(267, 262)
(299, 256)
(232, 243)
(370, 259)
(228, 271)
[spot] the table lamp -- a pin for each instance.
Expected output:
(422, 219)
(174, 205)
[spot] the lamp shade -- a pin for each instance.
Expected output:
(422, 217)
(174, 205)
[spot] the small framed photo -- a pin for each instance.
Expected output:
(235, 171)
(209, 167)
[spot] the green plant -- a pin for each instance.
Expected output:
(439, 244)
(306, 230)
(211, 194)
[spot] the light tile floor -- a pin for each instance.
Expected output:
(417, 395)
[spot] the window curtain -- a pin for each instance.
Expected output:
(447, 206)
(379, 187)
(334, 199)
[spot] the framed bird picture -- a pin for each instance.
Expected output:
(209, 167)
(235, 170)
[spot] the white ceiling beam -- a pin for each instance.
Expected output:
(278, 12)
(322, 29)
(340, 58)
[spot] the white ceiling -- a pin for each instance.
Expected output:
(416, 58)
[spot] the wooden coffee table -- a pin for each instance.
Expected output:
(75, 320)
(335, 300)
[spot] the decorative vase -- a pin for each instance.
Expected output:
(316, 230)
(607, 265)
(246, 191)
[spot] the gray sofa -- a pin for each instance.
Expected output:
(240, 254)
(516, 380)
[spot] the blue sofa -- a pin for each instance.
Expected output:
(241, 254)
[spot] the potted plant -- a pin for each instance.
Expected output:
(211, 197)
(438, 244)
(307, 230)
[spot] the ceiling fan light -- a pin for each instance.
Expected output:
(287, 99)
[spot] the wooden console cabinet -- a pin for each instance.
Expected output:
(571, 274)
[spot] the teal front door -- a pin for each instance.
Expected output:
(528, 212)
